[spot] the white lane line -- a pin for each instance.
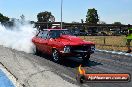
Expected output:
(115, 52)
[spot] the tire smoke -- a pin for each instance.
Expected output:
(19, 37)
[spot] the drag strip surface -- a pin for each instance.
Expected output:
(36, 71)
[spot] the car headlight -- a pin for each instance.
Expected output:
(67, 49)
(93, 48)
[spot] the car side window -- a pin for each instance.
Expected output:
(43, 34)
(40, 34)
(54, 34)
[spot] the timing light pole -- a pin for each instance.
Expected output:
(61, 13)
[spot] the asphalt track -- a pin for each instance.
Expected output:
(38, 71)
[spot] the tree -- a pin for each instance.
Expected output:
(92, 16)
(3, 18)
(22, 19)
(45, 17)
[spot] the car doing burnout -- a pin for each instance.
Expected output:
(61, 44)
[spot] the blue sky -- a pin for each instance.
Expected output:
(73, 10)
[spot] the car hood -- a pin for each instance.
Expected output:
(72, 40)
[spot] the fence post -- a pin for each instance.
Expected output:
(104, 40)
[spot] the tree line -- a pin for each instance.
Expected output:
(3, 18)
(92, 17)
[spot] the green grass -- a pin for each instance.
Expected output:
(117, 43)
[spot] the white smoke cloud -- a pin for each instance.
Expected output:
(19, 37)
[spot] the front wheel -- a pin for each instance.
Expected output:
(55, 56)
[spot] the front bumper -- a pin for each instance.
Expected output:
(77, 53)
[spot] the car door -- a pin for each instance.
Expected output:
(50, 42)
(44, 41)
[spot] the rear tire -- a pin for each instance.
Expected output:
(37, 52)
(56, 56)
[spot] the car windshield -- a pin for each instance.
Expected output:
(58, 33)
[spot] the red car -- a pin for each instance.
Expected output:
(60, 43)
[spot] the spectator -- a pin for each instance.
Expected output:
(129, 38)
